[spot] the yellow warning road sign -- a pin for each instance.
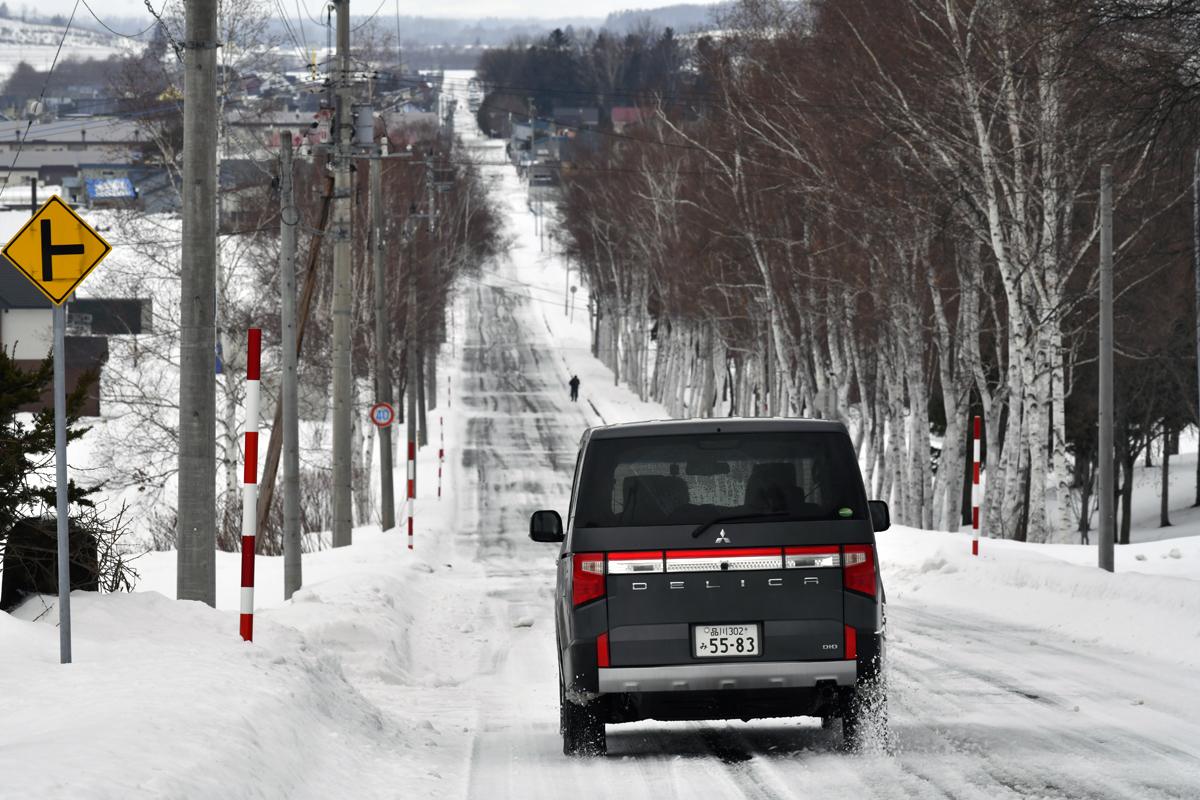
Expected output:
(56, 250)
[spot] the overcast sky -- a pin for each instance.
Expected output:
(465, 9)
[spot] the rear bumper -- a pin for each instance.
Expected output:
(726, 676)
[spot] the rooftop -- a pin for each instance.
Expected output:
(710, 426)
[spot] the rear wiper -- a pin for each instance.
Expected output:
(736, 518)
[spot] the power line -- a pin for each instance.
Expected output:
(685, 96)
(42, 95)
(300, 19)
(399, 52)
(137, 35)
(308, 14)
(368, 19)
(166, 29)
(287, 27)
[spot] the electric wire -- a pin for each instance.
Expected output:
(367, 21)
(287, 26)
(166, 29)
(308, 14)
(137, 35)
(399, 52)
(303, 35)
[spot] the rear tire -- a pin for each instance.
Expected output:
(582, 727)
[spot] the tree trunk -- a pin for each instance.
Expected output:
(229, 538)
(1085, 474)
(1037, 401)
(422, 423)
(1127, 500)
(431, 378)
(1164, 515)
(1058, 438)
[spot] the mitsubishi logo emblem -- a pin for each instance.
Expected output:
(722, 538)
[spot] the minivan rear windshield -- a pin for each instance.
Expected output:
(691, 480)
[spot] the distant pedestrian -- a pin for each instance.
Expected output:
(574, 384)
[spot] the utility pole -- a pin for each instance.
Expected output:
(383, 375)
(196, 527)
(288, 220)
(431, 213)
(342, 300)
(1107, 528)
(412, 376)
(410, 389)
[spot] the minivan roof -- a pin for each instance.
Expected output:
(664, 427)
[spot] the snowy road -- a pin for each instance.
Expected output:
(981, 706)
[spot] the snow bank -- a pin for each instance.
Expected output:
(1032, 585)
(164, 701)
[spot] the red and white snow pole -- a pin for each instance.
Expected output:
(250, 482)
(975, 453)
(412, 487)
(441, 452)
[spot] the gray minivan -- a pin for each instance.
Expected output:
(717, 569)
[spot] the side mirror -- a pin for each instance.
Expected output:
(880, 519)
(546, 526)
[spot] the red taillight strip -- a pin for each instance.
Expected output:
(746, 558)
(851, 649)
(602, 650)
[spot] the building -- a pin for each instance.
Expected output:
(55, 150)
(27, 331)
(576, 117)
(626, 116)
(27, 335)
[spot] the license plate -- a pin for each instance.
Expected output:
(726, 641)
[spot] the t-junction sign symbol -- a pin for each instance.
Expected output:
(56, 250)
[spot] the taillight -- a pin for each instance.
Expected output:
(602, 650)
(851, 651)
(858, 568)
(587, 577)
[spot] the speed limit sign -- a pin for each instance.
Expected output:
(382, 414)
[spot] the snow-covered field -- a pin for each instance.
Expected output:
(36, 43)
(1025, 672)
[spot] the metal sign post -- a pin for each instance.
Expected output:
(60, 468)
(56, 254)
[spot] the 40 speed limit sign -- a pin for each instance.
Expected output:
(383, 415)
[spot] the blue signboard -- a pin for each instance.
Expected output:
(110, 189)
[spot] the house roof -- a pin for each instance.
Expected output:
(629, 114)
(16, 291)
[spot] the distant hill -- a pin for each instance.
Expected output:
(683, 17)
(36, 42)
